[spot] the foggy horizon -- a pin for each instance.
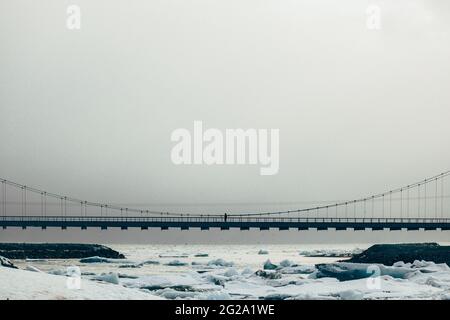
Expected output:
(89, 113)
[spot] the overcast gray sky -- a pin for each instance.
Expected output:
(89, 113)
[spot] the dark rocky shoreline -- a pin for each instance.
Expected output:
(388, 254)
(56, 251)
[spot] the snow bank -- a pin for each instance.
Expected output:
(32, 268)
(22, 284)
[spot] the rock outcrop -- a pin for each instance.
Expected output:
(56, 251)
(388, 254)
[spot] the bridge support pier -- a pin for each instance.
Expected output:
(103, 228)
(144, 228)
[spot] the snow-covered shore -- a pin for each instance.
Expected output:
(16, 284)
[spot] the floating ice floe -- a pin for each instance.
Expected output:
(140, 264)
(5, 262)
(58, 272)
(97, 259)
(201, 255)
(149, 262)
(217, 279)
(247, 271)
(286, 263)
(111, 277)
(174, 255)
(263, 251)
(268, 274)
(345, 271)
(176, 263)
(132, 266)
(298, 269)
(330, 253)
(169, 293)
(214, 296)
(184, 280)
(231, 272)
(268, 265)
(220, 262)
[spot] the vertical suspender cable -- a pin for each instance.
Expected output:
(407, 203)
(442, 197)
(3, 211)
(435, 198)
(401, 203)
(373, 206)
(25, 200)
(390, 204)
(425, 199)
(42, 204)
(418, 200)
(4, 196)
(22, 202)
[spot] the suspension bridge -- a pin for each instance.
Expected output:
(422, 205)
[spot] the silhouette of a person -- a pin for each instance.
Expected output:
(225, 217)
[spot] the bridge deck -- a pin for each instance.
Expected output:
(207, 222)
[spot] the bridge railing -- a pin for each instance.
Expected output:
(211, 218)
